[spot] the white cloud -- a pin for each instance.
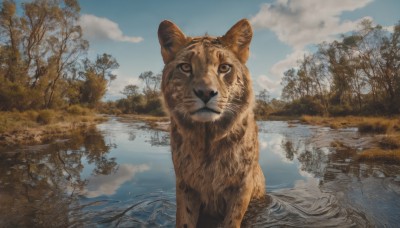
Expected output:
(299, 23)
(273, 82)
(302, 22)
(273, 144)
(266, 83)
(109, 184)
(100, 28)
(290, 61)
(389, 28)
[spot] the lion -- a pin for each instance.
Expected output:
(207, 92)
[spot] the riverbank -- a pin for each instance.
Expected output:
(154, 122)
(37, 127)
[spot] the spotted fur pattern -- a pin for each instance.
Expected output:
(215, 153)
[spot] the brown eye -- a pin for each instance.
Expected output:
(224, 68)
(185, 67)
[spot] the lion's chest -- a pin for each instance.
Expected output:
(210, 172)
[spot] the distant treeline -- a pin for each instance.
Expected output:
(137, 100)
(42, 58)
(360, 74)
(43, 65)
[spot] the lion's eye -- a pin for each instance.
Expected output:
(224, 68)
(185, 67)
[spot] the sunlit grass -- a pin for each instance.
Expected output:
(34, 126)
(364, 124)
(379, 155)
(387, 130)
(390, 142)
(146, 118)
(378, 125)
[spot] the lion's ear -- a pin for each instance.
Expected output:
(238, 39)
(171, 39)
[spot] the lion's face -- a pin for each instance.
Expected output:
(205, 79)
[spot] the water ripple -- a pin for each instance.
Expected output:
(304, 207)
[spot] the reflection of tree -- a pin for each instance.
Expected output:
(288, 147)
(330, 163)
(132, 135)
(313, 161)
(39, 185)
(96, 151)
(158, 138)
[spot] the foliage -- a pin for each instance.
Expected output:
(377, 154)
(93, 89)
(145, 102)
(78, 110)
(375, 126)
(390, 142)
(54, 169)
(45, 116)
(360, 74)
(42, 62)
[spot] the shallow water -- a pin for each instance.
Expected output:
(120, 174)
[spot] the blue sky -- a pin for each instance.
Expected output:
(284, 30)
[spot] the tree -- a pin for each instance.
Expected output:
(93, 89)
(97, 75)
(40, 49)
(11, 38)
(289, 83)
(263, 96)
(262, 108)
(130, 91)
(151, 84)
(103, 66)
(66, 46)
(357, 74)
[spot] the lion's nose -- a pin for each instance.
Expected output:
(205, 94)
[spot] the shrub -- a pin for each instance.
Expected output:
(390, 142)
(78, 110)
(45, 116)
(375, 126)
(304, 106)
(379, 155)
(32, 115)
(340, 110)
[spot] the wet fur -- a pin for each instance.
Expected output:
(215, 162)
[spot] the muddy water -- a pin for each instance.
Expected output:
(120, 175)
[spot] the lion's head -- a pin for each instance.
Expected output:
(205, 78)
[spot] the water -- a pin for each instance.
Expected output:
(120, 174)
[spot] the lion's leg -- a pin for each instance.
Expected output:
(259, 183)
(237, 206)
(187, 208)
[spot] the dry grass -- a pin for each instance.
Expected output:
(379, 155)
(364, 124)
(333, 122)
(378, 125)
(37, 126)
(146, 118)
(390, 142)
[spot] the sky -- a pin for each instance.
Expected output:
(284, 30)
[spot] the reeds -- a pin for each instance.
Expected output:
(379, 155)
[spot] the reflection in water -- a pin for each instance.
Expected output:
(132, 135)
(158, 138)
(305, 205)
(34, 179)
(88, 181)
(356, 187)
(108, 184)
